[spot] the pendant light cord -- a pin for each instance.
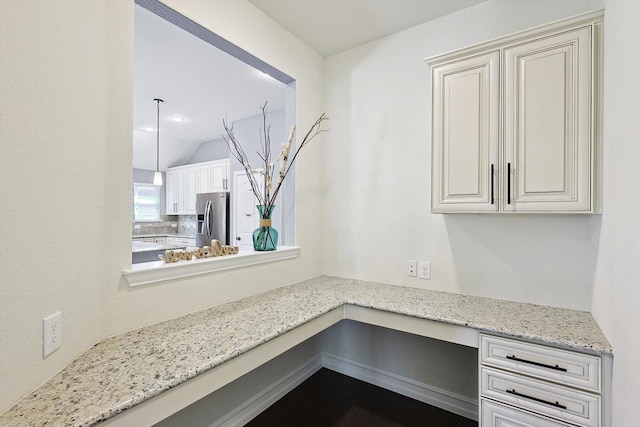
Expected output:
(158, 101)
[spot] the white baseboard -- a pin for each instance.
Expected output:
(440, 398)
(260, 401)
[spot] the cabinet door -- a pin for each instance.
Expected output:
(192, 190)
(220, 176)
(205, 178)
(181, 191)
(548, 149)
(171, 191)
(465, 96)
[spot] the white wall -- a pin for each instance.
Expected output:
(616, 296)
(378, 184)
(66, 75)
(378, 165)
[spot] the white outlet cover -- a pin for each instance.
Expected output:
(51, 333)
(424, 270)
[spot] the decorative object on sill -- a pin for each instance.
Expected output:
(216, 249)
(157, 176)
(265, 238)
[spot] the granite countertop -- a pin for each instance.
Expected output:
(139, 247)
(125, 370)
(146, 236)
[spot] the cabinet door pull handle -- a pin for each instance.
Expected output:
(492, 199)
(546, 402)
(517, 359)
(508, 183)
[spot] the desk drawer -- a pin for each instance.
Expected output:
(547, 399)
(495, 415)
(552, 364)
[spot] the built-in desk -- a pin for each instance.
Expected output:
(143, 376)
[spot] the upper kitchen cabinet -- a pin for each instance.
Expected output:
(220, 175)
(184, 182)
(466, 94)
(515, 122)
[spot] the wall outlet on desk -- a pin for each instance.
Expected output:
(424, 270)
(51, 333)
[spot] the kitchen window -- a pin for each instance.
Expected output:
(146, 202)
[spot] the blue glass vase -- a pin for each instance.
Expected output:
(265, 238)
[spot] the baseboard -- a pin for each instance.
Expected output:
(257, 403)
(440, 398)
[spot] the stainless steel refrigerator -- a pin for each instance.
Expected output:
(213, 218)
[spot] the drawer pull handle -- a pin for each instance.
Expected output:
(546, 402)
(517, 359)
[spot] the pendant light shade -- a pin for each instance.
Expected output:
(157, 176)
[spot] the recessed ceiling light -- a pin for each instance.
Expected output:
(148, 129)
(178, 119)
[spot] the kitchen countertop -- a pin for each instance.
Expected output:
(125, 370)
(146, 236)
(139, 247)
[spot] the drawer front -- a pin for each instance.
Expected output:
(495, 415)
(547, 399)
(561, 366)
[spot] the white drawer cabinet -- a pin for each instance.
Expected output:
(495, 415)
(535, 382)
(538, 361)
(188, 242)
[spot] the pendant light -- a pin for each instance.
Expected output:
(157, 176)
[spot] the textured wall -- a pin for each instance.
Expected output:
(66, 75)
(378, 168)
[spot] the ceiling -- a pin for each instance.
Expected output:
(197, 82)
(333, 26)
(202, 84)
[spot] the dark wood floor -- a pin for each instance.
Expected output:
(330, 399)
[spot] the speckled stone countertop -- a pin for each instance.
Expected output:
(123, 371)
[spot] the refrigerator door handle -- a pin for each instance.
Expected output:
(206, 220)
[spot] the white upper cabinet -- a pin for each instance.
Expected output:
(220, 175)
(185, 182)
(547, 123)
(465, 129)
(515, 122)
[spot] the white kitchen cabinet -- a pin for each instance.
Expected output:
(205, 178)
(185, 182)
(535, 385)
(160, 240)
(171, 192)
(515, 122)
(466, 94)
(547, 122)
(220, 175)
(176, 191)
(192, 190)
(182, 241)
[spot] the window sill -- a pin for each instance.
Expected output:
(156, 272)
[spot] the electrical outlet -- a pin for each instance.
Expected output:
(424, 270)
(411, 268)
(51, 333)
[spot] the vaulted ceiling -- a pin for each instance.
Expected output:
(201, 84)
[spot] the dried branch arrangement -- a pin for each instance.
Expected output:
(266, 194)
